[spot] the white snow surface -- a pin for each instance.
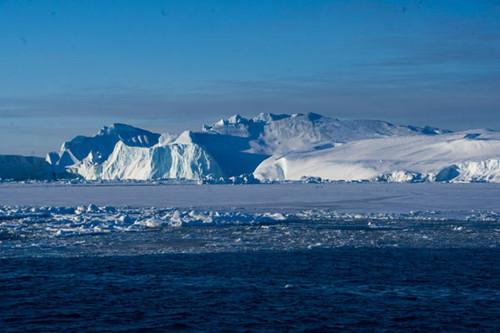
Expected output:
(345, 197)
(470, 156)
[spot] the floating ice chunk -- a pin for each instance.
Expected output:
(92, 208)
(124, 219)
(150, 223)
(275, 216)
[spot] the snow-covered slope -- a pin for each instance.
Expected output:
(18, 167)
(97, 149)
(461, 156)
(240, 144)
(177, 161)
(281, 133)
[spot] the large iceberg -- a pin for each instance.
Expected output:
(17, 167)
(281, 133)
(98, 148)
(171, 161)
(458, 157)
(281, 147)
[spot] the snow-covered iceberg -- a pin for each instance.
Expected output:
(459, 157)
(240, 144)
(281, 133)
(17, 167)
(285, 147)
(98, 148)
(171, 161)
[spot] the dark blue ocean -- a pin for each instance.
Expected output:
(270, 258)
(318, 290)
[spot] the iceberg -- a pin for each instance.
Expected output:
(455, 157)
(98, 148)
(285, 147)
(171, 161)
(18, 168)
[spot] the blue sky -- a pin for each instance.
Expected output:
(69, 67)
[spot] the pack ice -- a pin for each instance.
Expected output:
(280, 147)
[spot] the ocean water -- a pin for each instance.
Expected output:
(320, 290)
(275, 258)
